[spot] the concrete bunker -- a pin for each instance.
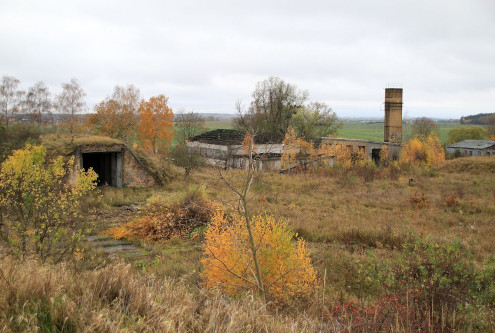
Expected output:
(108, 166)
(115, 164)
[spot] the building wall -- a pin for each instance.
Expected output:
(370, 147)
(470, 151)
(233, 156)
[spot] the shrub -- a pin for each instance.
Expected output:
(187, 159)
(394, 170)
(164, 221)
(421, 151)
(419, 200)
(286, 269)
(406, 309)
(367, 170)
(451, 200)
(40, 203)
(445, 270)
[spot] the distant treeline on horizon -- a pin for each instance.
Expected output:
(477, 119)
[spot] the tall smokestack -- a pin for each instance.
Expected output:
(393, 115)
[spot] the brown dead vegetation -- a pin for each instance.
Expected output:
(35, 297)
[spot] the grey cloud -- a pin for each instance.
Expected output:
(207, 54)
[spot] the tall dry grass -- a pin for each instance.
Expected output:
(36, 297)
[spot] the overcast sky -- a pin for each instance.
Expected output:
(205, 55)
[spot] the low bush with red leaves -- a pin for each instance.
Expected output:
(406, 309)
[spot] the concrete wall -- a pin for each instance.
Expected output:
(470, 151)
(233, 156)
(370, 147)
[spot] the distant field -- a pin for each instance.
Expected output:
(218, 124)
(358, 130)
(374, 131)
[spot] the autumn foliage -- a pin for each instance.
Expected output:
(113, 119)
(286, 269)
(405, 310)
(297, 151)
(39, 203)
(155, 129)
(165, 221)
(423, 152)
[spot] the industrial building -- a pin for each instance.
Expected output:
(471, 148)
(392, 131)
(223, 147)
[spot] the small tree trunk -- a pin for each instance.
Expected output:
(254, 251)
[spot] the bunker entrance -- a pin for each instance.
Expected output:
(375, 155)
(108, 166)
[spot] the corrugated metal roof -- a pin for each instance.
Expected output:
(473, 144)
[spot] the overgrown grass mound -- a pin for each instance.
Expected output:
(471, 165)
(160, 166)
(65, 144)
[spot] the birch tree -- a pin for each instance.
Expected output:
(38, 101)
(71, 101)
(10, 97)
(116, 115)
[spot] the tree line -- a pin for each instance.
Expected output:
(37, 101)
(277, 105)
(479, 119)
(123, 115)
(423, 127)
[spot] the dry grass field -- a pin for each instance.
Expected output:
(430, 230)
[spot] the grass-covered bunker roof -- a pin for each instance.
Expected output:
(115, 163)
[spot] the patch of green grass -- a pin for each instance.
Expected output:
(211, 125)
(125, 196)
(375, 130)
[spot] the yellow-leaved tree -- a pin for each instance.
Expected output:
(290, 150)
(40, 203)
(285, 265)
(296, 151)
(341, 154)
(156, 121)
(244, 252)
(421, 151)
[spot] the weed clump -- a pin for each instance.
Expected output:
(163, 221)
(406, 309)
(419, 200)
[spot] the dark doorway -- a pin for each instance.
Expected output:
(375, 155)
(107, 165)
